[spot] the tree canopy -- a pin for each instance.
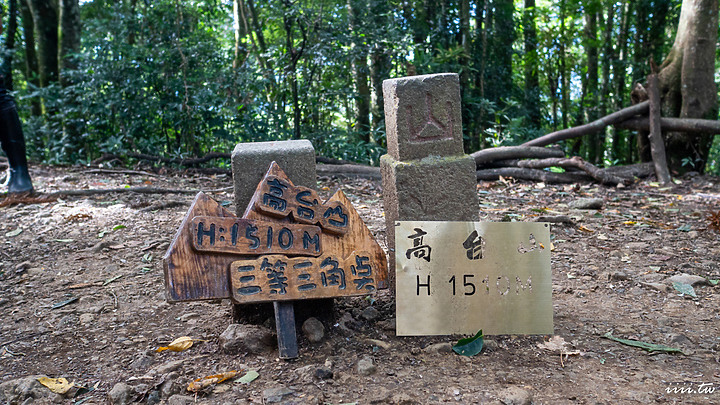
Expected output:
(184, 78)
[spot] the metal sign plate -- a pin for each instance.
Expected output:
(460, 277)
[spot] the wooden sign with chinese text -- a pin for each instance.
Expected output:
(191, 275)
(277, 277)
(197, 263)
(278, 197)
(460, 277)
(251, 237)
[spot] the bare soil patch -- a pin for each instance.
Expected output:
(82, 297)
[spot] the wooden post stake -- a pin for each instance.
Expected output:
(285, 326)
(657, 146)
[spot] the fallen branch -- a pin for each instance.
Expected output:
(596, 173)
(485, 156)
(532, 175)
(657, 146)
(331, 161)
(692, 125)
(129, 172)
(139, 190)
(592, 127)
(182, 162)
(370, 172)
(640, 170)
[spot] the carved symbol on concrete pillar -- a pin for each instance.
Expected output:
(432, 128)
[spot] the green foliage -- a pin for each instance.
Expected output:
(169, 78)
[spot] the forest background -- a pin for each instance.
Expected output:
(184, 78)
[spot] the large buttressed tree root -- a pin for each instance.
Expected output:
(687, 81)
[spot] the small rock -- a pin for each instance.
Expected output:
(346, 324)
(120, 394)
(619, 275)
(246, 338)
(323, 373)
(22, 267)
(685, 278)
(652, 277)
(387, 325)
(370, 314)
(274, 395)
(587, 204)
(170, 387)
(313, 330)
(378, 343)
(188, 316)
(306, 373)
(167, 367)
(19, 390)
(442, 347)
(515, 396)
(403, 398)
(86, 319)
(180, 400)
(142, 362)
(366, 367)
(680, 339)
(153, 397)
(656, 286)
(489, 345)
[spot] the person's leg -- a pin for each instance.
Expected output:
(13, 144)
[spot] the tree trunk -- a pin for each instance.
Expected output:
(69, 39)
(360, 74)
(532, 84)
(32, 75)
(68, 63)
(10, 44)
(594, 142)
(379, 67)
(239, 29)
(687, 82)
(45, 17)
(620, 144)
(564, 79)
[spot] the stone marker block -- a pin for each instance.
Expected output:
(250, 162)
(426, 175)
(423, 116)
(430, 189)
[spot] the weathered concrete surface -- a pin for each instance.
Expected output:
(250, 162)
(423, 116)
(426, 175)
(430, 189)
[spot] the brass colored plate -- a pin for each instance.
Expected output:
(460, 277)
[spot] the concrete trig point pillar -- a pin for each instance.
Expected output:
(426, 175)
(250, 162)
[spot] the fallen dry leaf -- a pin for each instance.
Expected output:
(180, 344)
(201, 383)
(56, 385)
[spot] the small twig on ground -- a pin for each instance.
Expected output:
(163, 205)
(130, 172)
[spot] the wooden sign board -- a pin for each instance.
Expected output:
(279, 278)
(277, 196)
(252, 237)
(357, 237)
(191, 276)
(460, 277)
(210, 238)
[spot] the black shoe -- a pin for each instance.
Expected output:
(19, 180)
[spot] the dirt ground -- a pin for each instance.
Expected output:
(82, 297)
